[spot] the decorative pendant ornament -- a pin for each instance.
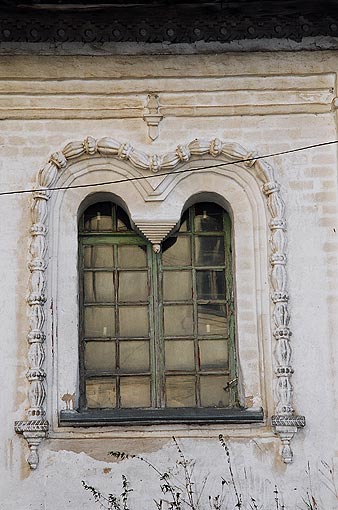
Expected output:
(152, 116)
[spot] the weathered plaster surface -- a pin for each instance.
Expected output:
(309, 186)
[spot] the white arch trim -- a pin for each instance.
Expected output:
(285, 422)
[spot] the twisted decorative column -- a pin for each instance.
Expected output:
(285, 422)
(36, 427)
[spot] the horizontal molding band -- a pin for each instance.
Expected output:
(174, 112)
(177, 97)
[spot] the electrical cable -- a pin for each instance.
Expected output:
(144, 177)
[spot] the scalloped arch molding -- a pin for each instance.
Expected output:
(35, 427)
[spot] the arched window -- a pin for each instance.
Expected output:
(157, 330)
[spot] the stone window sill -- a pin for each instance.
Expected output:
(100, 417)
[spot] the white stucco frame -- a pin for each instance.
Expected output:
(155, 204)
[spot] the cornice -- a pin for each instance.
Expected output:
(171, 24)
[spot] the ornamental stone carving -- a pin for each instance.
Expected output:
(284, 422)
(152, 116)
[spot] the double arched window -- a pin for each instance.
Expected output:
(157, 337)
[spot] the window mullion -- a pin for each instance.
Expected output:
(117, 324)
(82, 398)
(195, 309)
(153, 335)
(230, 309)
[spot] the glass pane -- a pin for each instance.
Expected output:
(210, 284)
(179, 253)
(180, 391)
(177, 285)
(209, 251)
(212, 391)
(185, 227)
(88, 287)
(104, 287)
(133, 286)
(211, 320)
(135, 391)
(99, 321)
(99, 256)
(98, 217)
(179, 355)
(178, 320)
(99, 287)
(101, 393)
(87, 256)
(123, 223)
(134, 356)
(213, 354)
(208, 217)
(100, 356)
(102, 222)
(132, 256)
(134, 321)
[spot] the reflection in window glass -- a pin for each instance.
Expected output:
(180, 391)
(134, 356)
(212, 320)
(100, 356)
(178, 320)
(177, 285)
(179, 355)
(133, 321)
(99, 287)
(99, 321)
(213, 392)
(178, 253)
(98, 217)
(208, 218)
(132, 256)
(133, 286)
(101, 393)
(213, 354)
(98, 256)
(135, 391)
(210, 284)
(209, 251)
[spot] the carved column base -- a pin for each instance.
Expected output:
(34, 432)
(286, 427)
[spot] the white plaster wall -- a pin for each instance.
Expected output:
(296, 114)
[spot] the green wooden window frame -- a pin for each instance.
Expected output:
(185, 293)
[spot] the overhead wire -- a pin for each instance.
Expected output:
(159, 174)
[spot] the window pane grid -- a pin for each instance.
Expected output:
(108, 386)
(183, 317)
(104, 217)
(213, 277)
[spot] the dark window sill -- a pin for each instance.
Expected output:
(99, 417)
